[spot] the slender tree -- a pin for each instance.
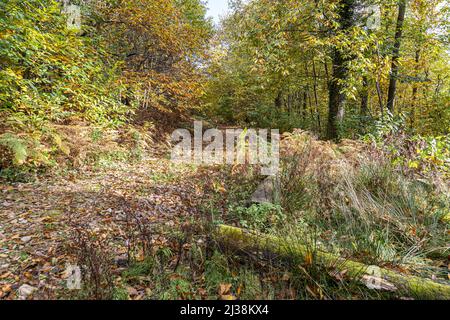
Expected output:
(396, 55)
(365, 97)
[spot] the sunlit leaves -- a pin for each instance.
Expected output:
(52, 71)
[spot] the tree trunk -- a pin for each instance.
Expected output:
(316, 99)
(289, 104)
(415, 89)
(396, 55)
(248, 241)
(279, 101)
(304, 103)
(365, 97)
(377, 83)
(336, 97)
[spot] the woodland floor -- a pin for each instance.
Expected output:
(38, 219)
(111, 217)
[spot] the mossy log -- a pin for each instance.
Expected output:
(247, 240)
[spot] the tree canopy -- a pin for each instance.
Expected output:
(333, 65)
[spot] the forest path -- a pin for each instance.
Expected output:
(37, 219)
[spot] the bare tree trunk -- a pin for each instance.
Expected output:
(396, 55)
(336, 97)
(279, 101)
(414, 90)
(289, 104)
(316, 99)
(377, 83)
(365, 97)
(305, 102)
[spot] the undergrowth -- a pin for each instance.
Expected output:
(370, 212)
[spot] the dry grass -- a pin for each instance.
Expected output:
(359, 205)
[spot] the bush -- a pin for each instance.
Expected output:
(262, 217)
(49, 72)
(429, 155)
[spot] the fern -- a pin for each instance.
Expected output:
(16, 145)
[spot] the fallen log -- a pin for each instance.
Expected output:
(372, 276)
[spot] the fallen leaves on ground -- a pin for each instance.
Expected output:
(36, 218)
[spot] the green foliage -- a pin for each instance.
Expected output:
(388, 125)
(262, 217)
(16, 146)
(354, 125)
(433, 154)
(219, 271)
(51, 73)
(138, 269)
(119, 294)
(426, 155)
(272, 66)
(23, 155)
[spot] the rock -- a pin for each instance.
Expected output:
(25, 239)
(268, 191)
(25, 291)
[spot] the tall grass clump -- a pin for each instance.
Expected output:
(367, 210)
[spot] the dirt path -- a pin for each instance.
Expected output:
(37, 219)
